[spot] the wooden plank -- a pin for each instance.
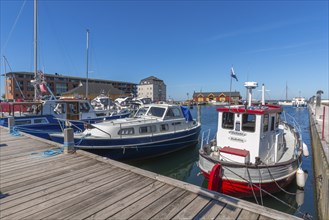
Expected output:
(105, 207)
(127, 211)
(88, 200)
(193, 208)
(45, 175)
(25, 191)
(211, 210)
(21, 158)
(158, 205)
(29, 163)
(46, 169)
(48, 200)
(229, 212)
(22, 144)
(262, 217)
(176, 206)
(114, 208)
(53, 188)
(58, 176)
(244, 214)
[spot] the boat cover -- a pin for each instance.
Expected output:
(186, 113)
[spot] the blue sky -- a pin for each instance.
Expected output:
(191, 45)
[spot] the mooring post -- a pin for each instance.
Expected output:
(199, 113)
(11, 124)
(68, 141)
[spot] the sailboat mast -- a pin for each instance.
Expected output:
(286, 91)
(35, 46)
(87, 64)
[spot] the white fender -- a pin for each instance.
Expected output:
(300, 178)
(305, 150)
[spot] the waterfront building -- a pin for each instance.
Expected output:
(18, 84)
(152, 87)
(209, 97)
(94, 90)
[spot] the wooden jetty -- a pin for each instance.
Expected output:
(86, 186)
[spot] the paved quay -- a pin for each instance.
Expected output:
(86, 186)
(319, 125)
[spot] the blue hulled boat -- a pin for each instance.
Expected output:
(156, 129)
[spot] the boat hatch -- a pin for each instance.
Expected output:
(236, 155)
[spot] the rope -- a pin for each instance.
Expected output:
(48, 153)
(15, 132)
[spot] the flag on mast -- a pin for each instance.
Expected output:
(233, 74)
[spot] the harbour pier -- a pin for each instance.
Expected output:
(53, 185)
(319, 125)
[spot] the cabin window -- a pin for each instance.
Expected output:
(126, 131)
(173, 113)
(265, 123)
(272, 123)
(147, 129)
(40, 121)
(23, 122)
(277, 121)
(84, 107)
(156, 111)
(248, 122)
(228, 120)
(164, 127)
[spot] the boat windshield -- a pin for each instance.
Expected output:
(141, 111)
(156, 111)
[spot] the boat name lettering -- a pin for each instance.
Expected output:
(237, 139)
(237, 133)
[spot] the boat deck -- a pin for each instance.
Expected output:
(86, 186)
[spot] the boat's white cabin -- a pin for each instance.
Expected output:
(247, 133)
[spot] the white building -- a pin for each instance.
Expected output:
(152, 87)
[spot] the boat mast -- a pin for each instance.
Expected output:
(286, 91)
(87, 64)
(263, 94)
(35, 46)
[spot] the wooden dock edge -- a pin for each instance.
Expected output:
(320, 168)
(268, 212)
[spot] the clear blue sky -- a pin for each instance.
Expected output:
(191, 45)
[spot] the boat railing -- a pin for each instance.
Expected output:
(290, 120)
(205, 138)
(63, 123)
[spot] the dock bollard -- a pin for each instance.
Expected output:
(68, 141)
(11, 124)
(199, 113)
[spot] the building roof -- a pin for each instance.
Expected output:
(70, 77)
(150, 80)
(96, 89)
(216, 93)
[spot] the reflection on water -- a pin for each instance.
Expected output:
(181, 165)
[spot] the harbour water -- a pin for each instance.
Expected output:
(182, 165)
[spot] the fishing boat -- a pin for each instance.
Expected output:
(299, 102)
(254, 152)
(156, 129)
